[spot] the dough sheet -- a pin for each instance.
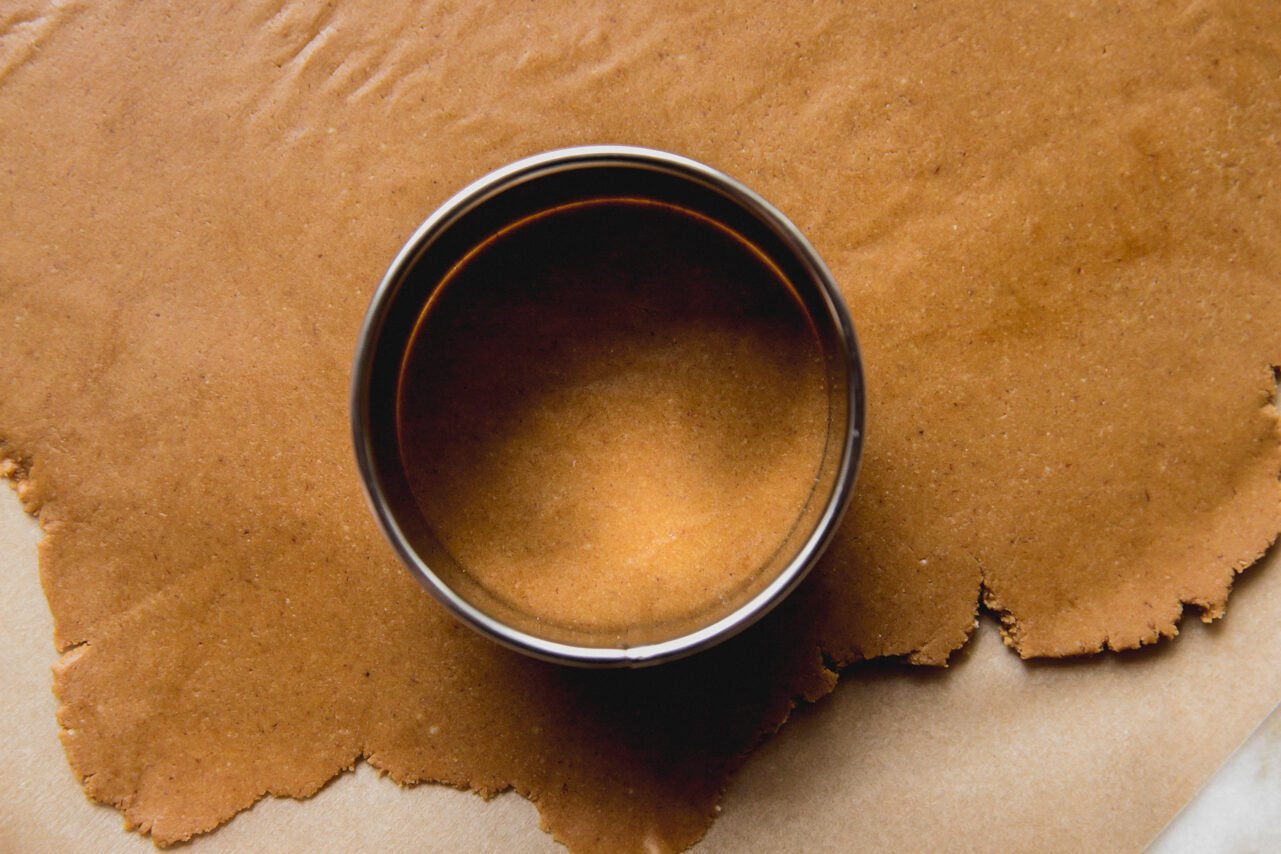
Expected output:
(1058, 229)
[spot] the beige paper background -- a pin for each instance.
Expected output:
(1088, 755)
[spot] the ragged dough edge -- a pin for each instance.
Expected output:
(1016, 638)
(821, 681)
(937, 652)
(15, 467)
(20, 469)
(151, 823)
(1209, 608)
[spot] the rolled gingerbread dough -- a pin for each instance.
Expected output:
(1058, 230)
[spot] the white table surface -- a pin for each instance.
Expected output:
(1239, 810)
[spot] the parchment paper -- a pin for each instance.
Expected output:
(1085, 755)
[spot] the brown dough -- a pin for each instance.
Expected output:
(544, 392)
(1059, 230)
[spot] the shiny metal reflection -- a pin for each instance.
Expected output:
(535, 184)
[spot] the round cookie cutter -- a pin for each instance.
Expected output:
(519, 190)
